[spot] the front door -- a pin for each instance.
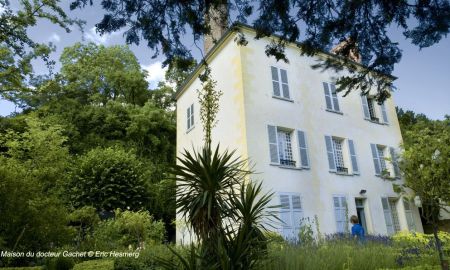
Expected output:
(361, 213)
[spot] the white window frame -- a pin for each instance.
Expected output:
(190, 118)
(285, 146)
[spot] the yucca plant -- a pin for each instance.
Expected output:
(223, 207)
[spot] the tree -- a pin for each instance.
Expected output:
(407, 120)
(426, 167)
(103, 73)
(108, 179)
(17, 50)
(32, 169)
(363, 25)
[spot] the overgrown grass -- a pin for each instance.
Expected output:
(344, 255)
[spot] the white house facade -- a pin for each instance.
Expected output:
(322, 154)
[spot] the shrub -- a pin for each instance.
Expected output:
(106, 264)
(128, 229)
(149, 258)
(59, 263)
(108, 179)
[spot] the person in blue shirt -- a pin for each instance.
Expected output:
(357, 229)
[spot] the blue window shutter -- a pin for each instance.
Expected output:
(383, 112)
(303, 147)
(365, 107)
(327, 96)
(284, 83)
(330, 153)
(273, 144)
(192, 115)
(376, 159)
(351, 147)
(275, 81)
(395, 162)
(334, 97)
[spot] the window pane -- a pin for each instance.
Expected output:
(394, 212)
(381, 157)
(285, 146)
(338, 156)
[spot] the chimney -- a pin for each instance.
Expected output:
(217, 18)
(348, 48)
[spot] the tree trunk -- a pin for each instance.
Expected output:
(444, 263)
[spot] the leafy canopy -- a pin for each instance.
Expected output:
(318, 24)
(426, 164)
(17, 49)
(108, 179)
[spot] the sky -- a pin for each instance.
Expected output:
(423, 83)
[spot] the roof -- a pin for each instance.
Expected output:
(229, 32)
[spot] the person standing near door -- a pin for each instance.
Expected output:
(357, 229)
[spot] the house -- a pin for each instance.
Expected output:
(322, 154)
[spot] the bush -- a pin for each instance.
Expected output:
(343, 254)
(95, 265)
(415, 238)
(127, 229)
(108, 179)
(148, 259)
(59, 263)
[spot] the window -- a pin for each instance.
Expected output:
(409, 215)
(282, 144)
(380, 156)
(190, 117)
(340, 210)
(285, 148)
(380, 151)
(280, 83)
(390, 215)
(339, 159)
(371, 109)
(373, 116)
(291, 214)
(331, 99)
(338, 156)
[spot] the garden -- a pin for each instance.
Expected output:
(401, 251)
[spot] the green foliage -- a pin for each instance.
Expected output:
(98, 74)
(105, 264)
(340, 255)
(213, 188)
(323, 24)
(148, 258)
(208, 98)
(179, 69)
(108, 179)
(84, 220)
(17, 49)
(306, 233)
(32, 166)
(426, 165)
(135, 229)
(59, 263)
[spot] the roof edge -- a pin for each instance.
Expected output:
(233, 29)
